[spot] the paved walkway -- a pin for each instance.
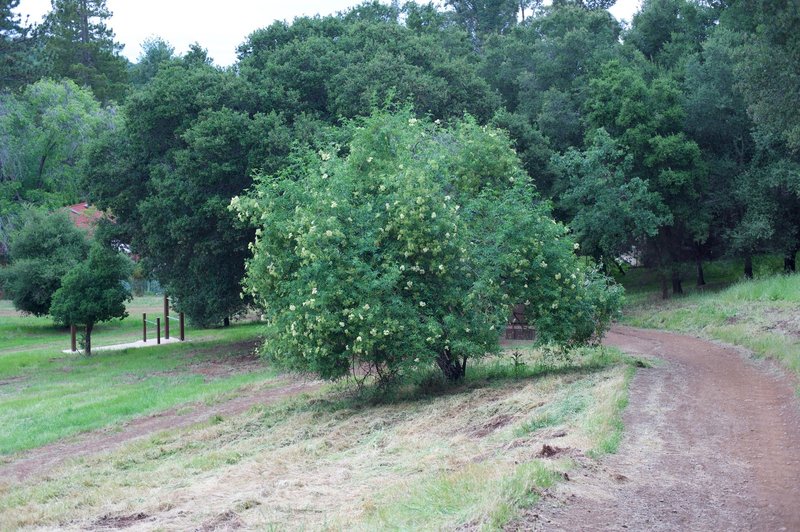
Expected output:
(134, 345)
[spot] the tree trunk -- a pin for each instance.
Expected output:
(226, 322)
(748, 266)
(89, 327)
(701, 278)
(790, 262)
(453, 370)
(664, 287)
(42, 162)
(677, 288)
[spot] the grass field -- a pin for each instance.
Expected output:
(46, 395)
(428, 456)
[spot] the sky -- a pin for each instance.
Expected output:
(219, 30)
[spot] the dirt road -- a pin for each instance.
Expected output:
(712, 442)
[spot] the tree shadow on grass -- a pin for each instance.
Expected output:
(429, 384)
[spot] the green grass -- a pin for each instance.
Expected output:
(761, 315)
(432, 457)
(643, 284)
(46, 395)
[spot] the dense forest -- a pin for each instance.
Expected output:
(673, 140)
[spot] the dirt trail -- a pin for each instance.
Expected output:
(43, 459)
(712, 442)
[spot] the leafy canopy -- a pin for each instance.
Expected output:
(44, 248)
(409, 250)
(93, 291)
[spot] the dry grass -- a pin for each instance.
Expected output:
(330, 461)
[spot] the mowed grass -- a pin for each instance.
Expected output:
(430, 456)
(762, 315)
(46, 395)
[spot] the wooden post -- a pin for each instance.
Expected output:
(144, 327)
(73, 331)
(166, 317)
(180, 320)
(158, 330)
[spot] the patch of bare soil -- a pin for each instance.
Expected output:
(113, 522)
(42, 460)
(711, 443)
(224, 521)
(786, 323)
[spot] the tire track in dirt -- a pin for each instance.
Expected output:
(712, 442)
(42, 460)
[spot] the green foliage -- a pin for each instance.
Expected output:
(336, 66)
(44, 132)
(79, 45)
(409, 251)
(768, 66)
(44, 248)
(190, 144)
(156, 53)
(482, 17)
(646, 119)
(17, 60)
(668, 32)
(93, 291)
(611, 211)
(541, 69)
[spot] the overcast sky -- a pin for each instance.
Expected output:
(218, 27)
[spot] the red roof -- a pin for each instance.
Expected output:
(83, 215)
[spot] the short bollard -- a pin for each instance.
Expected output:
(166, 317)
(158, 330)
(144, 327)
(181, 325)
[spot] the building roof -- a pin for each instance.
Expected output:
(84, 216)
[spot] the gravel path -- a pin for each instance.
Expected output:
(712, 442)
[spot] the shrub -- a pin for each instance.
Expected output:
(42, 250)
(408, 249)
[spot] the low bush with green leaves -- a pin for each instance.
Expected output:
(407, 248)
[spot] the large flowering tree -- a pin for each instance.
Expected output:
(408, 248)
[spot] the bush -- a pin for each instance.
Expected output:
(42, 250)
(93, 291)
(410, 250)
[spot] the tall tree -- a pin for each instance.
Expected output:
(17, 62)
(80, 45)
(668, 32)
(485, 17)
(716, 118)
(768, 64)
(43, 134)
(191, 142)
(156, 53)
(646, 118)
(335, 67)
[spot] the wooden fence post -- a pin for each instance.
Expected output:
(166, 317)
(180, 316)
(158, 330)
(144, 327)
